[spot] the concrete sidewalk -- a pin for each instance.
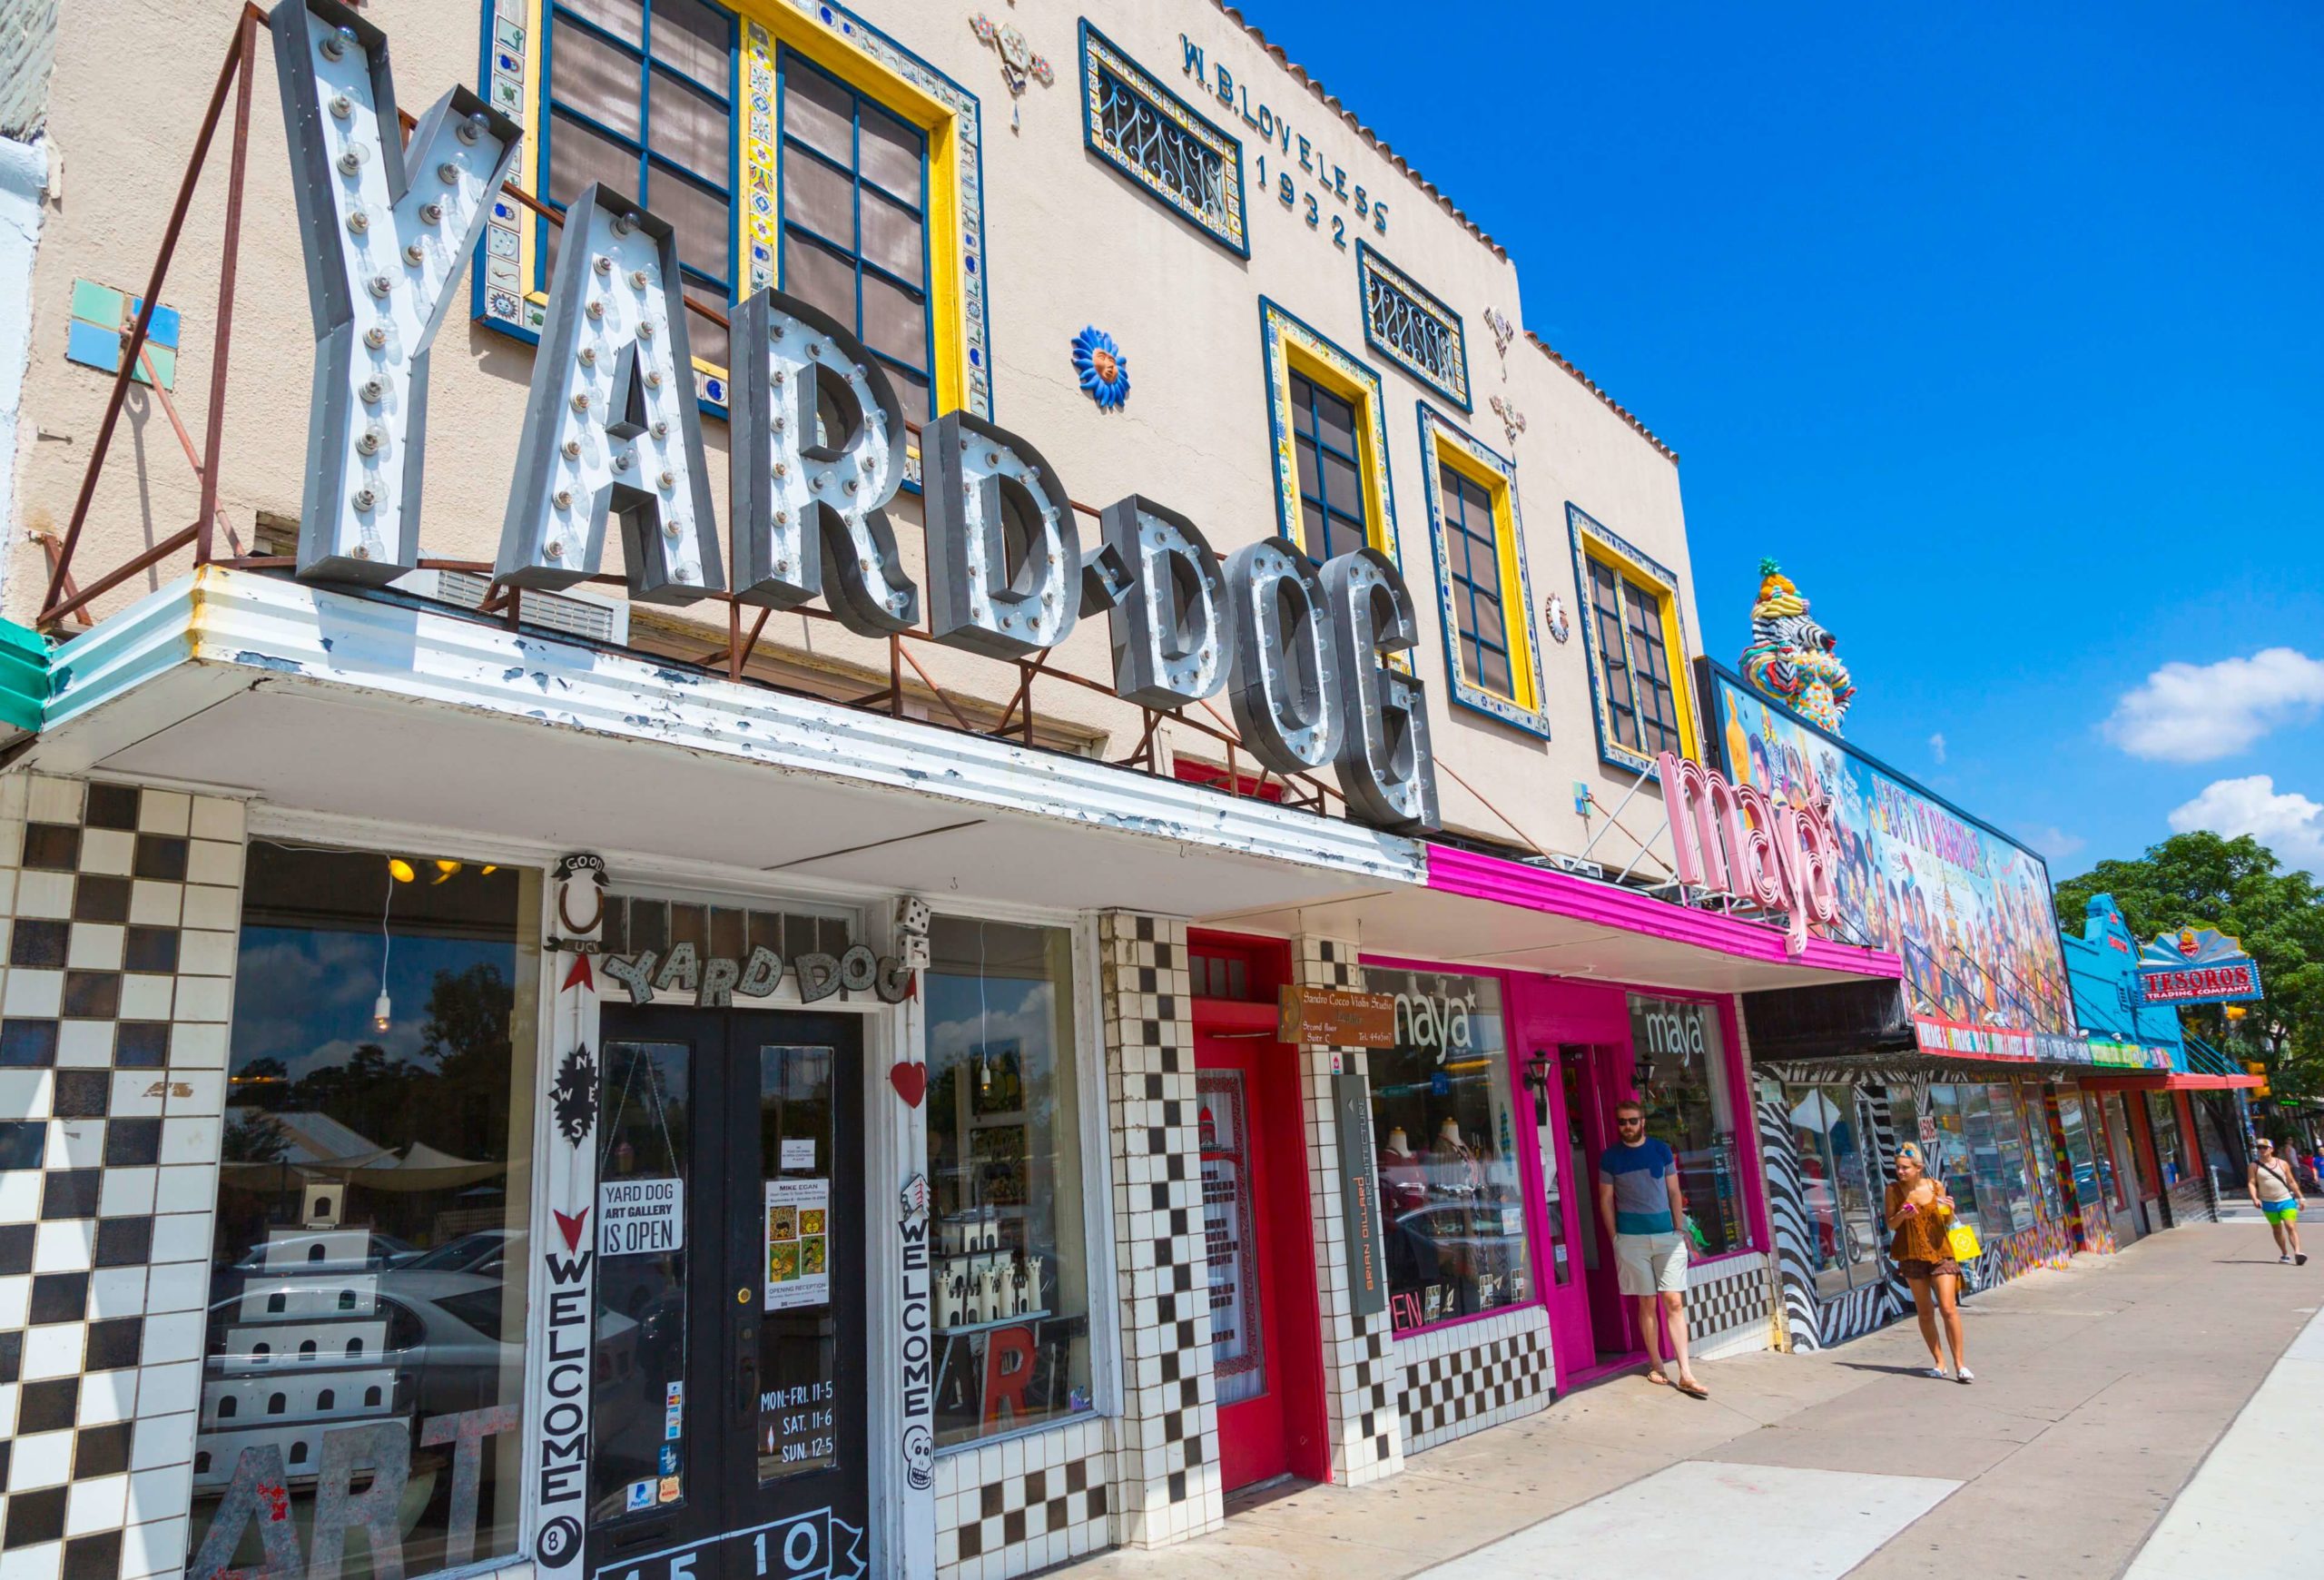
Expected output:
(2101, 1391)
(2252, 1510)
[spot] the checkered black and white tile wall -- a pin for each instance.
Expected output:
(1461, 1379)
(1166, 1448)
(1009, 1508)
(120, 907)
(1361, 1380)
(1729, 1308)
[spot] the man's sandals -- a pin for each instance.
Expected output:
(1692, 1390)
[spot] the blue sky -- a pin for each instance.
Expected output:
(2001, 328)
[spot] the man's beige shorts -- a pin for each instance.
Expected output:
(1651, 1262)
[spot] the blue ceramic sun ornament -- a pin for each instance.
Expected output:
(1102, 369)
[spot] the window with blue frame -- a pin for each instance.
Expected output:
(1331, 470)
(1473, 563)
(641, 98)
(855, 222)
(1634, 662)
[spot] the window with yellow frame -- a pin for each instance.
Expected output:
(1636, 647)
(1331, 448)
(788, 144)
(1483, 592)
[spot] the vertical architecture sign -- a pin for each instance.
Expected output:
(563, 1270)
(1368, 1275)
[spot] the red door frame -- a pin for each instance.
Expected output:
(1284, 1429)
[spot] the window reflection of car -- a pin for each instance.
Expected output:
(1459, 1226)
(312, 1254)
(443, 1341)
(486, 1252)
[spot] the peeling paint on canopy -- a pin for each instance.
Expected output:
(243, 630)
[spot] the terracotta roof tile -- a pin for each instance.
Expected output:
(1590, 384)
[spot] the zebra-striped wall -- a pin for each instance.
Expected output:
(1788, 1216)
(1819, 1322)
(1812, 1321)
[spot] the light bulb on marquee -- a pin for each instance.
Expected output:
(1286, 686)
(610, 412)
(818, 455)
(1169, 633)
(389, 230)
(985, 486)
(1384, 744)
(612, 432)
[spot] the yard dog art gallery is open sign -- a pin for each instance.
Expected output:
(613, 439)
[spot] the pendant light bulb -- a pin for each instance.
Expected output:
(383, 1013)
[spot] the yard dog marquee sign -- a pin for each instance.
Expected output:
(2197, 965)
(612, 438)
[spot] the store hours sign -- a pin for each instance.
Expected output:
(612, 443)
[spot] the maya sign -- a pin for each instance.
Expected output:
(2197, 965)
(1730, 839)
(612, 441)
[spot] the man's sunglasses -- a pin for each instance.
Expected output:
(1633, 1120)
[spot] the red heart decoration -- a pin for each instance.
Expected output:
(911, 1082)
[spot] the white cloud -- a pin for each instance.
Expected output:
(2288, 823)
(2194, 712)
(1936, 745)
(2051, 840)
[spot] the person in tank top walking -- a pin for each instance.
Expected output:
(2275, 1194)
(1920, 1215)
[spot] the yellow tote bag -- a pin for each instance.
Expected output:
(1962, 1241)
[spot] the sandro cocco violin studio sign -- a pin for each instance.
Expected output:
(612, 438)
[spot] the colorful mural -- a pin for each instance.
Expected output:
(1968, 910)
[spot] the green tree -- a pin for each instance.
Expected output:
(2237, 885)
(466, 1037)
(252, 1137)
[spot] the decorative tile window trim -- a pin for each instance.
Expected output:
(1285, 338)
(1439, 437)
(1101, 58)
(1390, 297)
(1587, 531)
(502, 298)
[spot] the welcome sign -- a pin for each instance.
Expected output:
(612, 443)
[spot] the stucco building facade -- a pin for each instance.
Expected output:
(525, 1046)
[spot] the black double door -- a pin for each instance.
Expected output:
(727, 1428)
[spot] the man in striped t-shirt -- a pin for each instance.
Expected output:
(1639, 1193)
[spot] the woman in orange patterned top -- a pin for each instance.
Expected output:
(1920, 1212)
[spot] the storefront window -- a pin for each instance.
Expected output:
(1981, 1155)
(2211, 1135)
(2163, 1118)
(2041, 1152)
(366, 1343)
(2086, 1156)
(1451, 1202)
(1948, 1152)
(2011, 1157)
(1680, 1069)
(1004, 1147)
(1844, 1226)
